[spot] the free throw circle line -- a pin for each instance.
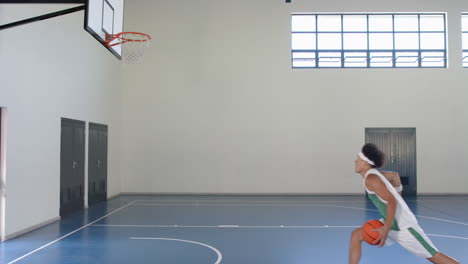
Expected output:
(220, 256)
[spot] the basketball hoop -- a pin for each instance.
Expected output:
(133, 45)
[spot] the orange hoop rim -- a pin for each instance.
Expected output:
(112, 37)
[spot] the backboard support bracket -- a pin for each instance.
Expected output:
(42, 1)
(101, 18)
(43, 17)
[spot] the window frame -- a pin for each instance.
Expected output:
(464, 33)
(314, 55)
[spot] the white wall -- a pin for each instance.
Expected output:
(51, 69)
(216, 107)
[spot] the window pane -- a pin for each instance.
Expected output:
(328, 41)
(330, 59)
(406, 59)
(355, 59)
(406, 41)
(465, 41)
(304, 59)
(432, 41)
(354, 23)
(303, 23)
(329, 23)
(380, 23)
(303, 41)
(432, 59)
(355, 41)
(465, 59)
(380, 41)
(432, 23)
(465, 22)
(406, 23)
(381, 59)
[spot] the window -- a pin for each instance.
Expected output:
(399, 40)
(465, 39)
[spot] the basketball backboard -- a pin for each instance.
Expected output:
(105, 17)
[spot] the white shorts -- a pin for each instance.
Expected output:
(414, 240)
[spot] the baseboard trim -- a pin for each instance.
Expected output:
(114, 196)
(445, 194)
(236, 194)
(31, 228)
(264, 194)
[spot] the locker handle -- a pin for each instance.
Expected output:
(99, 164)
(75, 164)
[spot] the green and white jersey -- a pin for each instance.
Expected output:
(404, 218)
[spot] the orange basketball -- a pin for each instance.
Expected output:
(367, 231)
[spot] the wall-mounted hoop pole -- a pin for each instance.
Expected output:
(43, 17)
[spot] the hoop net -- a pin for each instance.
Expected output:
(133, 44)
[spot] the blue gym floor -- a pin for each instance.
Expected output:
(232, 230)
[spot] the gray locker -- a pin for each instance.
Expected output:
(72, 147)
(399, 145)
(97, 160)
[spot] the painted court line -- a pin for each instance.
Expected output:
(257, 227)
(227, 226)
(260, 205)
(220, 256)
(251, 201)
(440, 200)
(457, 237)
(60, 238)
(359, 199)
(298, 205)
(443, 220)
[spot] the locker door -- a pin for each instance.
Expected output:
(97, 173)
(71, 166)
(92, 164)
(103, 162)
(399, 145)
(2, 187)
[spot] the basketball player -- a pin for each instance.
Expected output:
(400, 224)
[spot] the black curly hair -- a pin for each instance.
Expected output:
(372, 152)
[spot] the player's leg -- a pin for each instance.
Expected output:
(416, 241)
(441, 258)
(355, 247)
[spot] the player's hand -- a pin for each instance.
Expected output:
(383, 233)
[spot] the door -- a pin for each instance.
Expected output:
(2, 182)
(72, 150)
(97, 169)
(399, 145)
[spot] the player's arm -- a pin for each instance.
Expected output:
(375, 184)
(393, 178)
(396, 181)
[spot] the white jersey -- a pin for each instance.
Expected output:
(404, 218)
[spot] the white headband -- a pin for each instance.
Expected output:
(363, 157)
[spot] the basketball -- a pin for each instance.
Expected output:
(368, 232)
